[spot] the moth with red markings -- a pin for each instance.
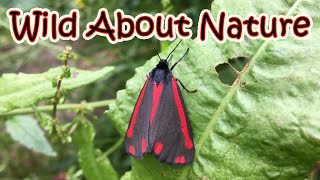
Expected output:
(159, 124)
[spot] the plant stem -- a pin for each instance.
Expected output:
(114, 147)
(95, 104)
(55, 104)
(57, 96)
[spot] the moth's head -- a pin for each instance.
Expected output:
(163, 64)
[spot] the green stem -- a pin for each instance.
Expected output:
(95, 104)
(114, 147)
(56, 100)
(56, 97)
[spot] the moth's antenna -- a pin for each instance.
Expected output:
(174, 49)
(155, 49)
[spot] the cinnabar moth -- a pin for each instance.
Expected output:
(159, 124)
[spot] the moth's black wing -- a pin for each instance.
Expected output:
(170, 136)
(136, 140)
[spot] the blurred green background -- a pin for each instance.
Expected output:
(17, 162)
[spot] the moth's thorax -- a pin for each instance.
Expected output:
(161, 72)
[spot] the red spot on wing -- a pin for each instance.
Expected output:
(157, 90)
(136, 110)
(143, 145)
(131, 150)
(180, 160)
(183, 121)
(158, 148)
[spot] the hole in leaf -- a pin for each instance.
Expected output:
(227, 74)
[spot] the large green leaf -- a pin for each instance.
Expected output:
(26, 131)
(22, 90)
(93, 163)
(267, 127)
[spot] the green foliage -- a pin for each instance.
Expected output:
(93, 163)
(268, 128)
(26, 130)
(22, 90)
(264, 126)
(44, 120)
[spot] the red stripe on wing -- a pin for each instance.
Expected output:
(157, 90)
(136, 110)
(183, 121)
(143, 145)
